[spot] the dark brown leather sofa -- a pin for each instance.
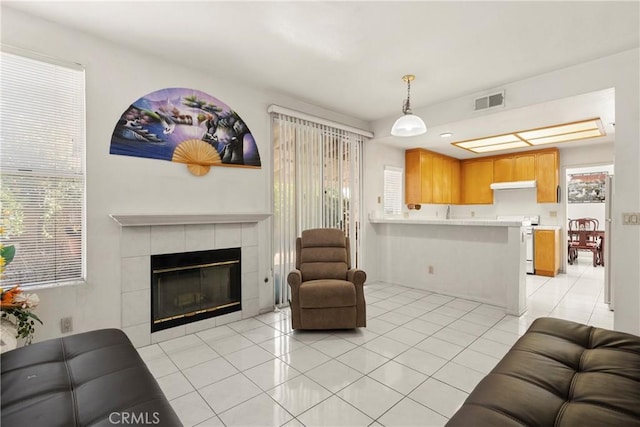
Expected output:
(94, 378)
(560, 374)
(326, 293)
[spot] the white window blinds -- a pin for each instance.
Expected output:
(42, 178)
(392, 190)
(317, 172)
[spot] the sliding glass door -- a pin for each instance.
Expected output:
(317, 183)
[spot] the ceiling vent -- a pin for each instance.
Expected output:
(489, 101)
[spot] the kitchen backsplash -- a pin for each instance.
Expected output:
(505, 202)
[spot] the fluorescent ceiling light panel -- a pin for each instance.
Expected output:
(567, 137)
(591, 128)
(558, 130)
(507, 146)
(487, 141)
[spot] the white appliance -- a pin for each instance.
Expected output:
(608, 238)
(528, 221)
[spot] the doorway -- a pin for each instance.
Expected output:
(589, 198)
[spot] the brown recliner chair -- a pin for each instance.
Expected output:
(326, 293)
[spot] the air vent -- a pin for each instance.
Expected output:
(489, 101)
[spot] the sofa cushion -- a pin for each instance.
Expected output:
(94, 378)
(327, 293)
(560, 373)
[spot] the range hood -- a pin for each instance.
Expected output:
(512, 185)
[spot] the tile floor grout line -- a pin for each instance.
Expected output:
(459, 306)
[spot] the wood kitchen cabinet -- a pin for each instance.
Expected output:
(477, 176)
(524, 167)
(430, 178)
(546, 171)
(441, 179)
(418, 177)
(546, 258)
(456, 193)
(514, 167)
(539, 165)
(503, 169)
(434, 178)
(412, 177)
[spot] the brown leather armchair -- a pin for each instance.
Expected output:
(326, 293)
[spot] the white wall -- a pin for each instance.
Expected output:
(619, 71)
(115, 77)
(376, 157)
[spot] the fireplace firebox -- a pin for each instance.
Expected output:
(191, 286)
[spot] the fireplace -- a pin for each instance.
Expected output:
(191, 286)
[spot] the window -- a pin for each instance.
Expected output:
(42, 175)
(392, 190)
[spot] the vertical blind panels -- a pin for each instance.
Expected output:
(317, 183)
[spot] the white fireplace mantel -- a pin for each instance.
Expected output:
(139, 220)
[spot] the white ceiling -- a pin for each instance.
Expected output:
(349, 57)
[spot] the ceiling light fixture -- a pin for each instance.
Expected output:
(446, 134)
(591, 128)
(408, 124)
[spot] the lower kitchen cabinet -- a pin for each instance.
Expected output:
(546, 259)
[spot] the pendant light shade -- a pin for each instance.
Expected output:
(408, 124)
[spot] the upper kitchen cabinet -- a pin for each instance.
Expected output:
(477, 176)
(418, 164)
(441, 180)
(524, 167)
(514, 167)
(456, 193)
(431, 178)
(539, 165)
(546, 170)
(503, 169)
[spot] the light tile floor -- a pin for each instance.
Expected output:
(414, 364)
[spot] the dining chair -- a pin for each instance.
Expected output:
(583, 237)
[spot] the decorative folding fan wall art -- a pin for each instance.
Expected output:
(185, 126)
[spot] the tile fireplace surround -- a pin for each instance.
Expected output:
(145, 235)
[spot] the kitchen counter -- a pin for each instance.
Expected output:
(547, 227)
(478, 222)
(477, 259)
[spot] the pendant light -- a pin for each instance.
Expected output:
(408, 124)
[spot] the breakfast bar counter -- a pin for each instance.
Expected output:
(473, 222)
(476, 259)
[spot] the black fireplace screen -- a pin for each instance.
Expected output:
(191, 286)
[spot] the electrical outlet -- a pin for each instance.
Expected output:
(553, 214)
(379, 199)
(431, 269)
(473, 214)
(631, 218)
(66, 325)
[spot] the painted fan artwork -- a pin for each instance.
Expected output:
(185, 126)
